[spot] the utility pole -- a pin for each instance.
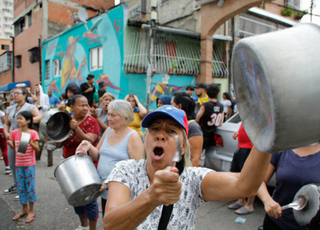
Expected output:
(152, 32)
(311, 9)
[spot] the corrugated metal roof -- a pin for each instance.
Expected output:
(272, 16)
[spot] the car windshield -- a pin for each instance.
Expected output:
(235, 118)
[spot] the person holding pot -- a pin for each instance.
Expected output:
(19, 98)
(137, 190)
(119, 142)
(101, 114)
(295, 168)
(84, 127)
(139, 112)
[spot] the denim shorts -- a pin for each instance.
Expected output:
(91, 210)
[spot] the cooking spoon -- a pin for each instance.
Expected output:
(298, 204)
(177, 155)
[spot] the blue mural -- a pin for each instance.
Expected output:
(68, 58)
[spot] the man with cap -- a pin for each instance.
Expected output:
(201, 94)
(88, 89)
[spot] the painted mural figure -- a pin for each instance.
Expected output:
(69, 69)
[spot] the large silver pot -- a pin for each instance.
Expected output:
(276, 81)
(55, 125)
(78, 179)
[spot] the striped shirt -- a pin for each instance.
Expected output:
(27, 158)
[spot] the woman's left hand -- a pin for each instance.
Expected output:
(136, 99)
(84, 147)
(103, 187)
(93, 112)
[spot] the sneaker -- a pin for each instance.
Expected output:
(10, 190)
(7, 170)
(16, 197)
(82, 228)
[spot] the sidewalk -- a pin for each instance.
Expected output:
(52, 208)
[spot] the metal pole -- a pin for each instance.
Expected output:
(152, 32)
(150, 64)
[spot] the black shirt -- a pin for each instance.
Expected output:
(89, 95)
(211, 117)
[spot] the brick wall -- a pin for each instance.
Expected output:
(5, 42)
(28, 71)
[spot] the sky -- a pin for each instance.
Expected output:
(116, 2)
(305, 5)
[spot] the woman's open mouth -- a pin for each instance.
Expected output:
(158, 153)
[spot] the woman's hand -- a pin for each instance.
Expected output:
(126, 97)
(235, 135)
(84, 147)
(103, 187)
(273, 208)
(94, 112)
(73, 124)
(166, 187)
(136, 99)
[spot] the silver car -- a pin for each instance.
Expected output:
(219, 156)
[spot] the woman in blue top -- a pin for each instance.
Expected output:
(294, 169)
(119, 142)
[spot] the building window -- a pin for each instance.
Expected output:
(47, 76)
(294, 4)
(5, 47)
(34, 54)
(19, 26)
(96, 58)
(57, 67)
(28, 19)
(18, 61)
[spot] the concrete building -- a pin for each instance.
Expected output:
(217, 25)
(36, 21)
(6, 18)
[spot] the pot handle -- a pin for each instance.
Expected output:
(77, 153)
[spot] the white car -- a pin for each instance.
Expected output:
(219, 156)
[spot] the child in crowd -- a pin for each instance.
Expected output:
(25, 165)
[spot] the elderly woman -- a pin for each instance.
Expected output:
(139, 112)
(138, 189)
(118, 143)
(101, 114)
(19, 98)
(182, 100)
(86, 128)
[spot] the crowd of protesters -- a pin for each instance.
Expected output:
(112, 131)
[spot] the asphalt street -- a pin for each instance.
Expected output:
(54, 213)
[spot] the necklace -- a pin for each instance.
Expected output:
(17, 110)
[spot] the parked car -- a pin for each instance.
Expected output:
(219, 156)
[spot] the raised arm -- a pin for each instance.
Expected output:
(91, 137)
(231, 186)
(36, 115)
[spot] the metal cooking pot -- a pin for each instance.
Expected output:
(309, 216)
(24, 142)
(276, 80)
(55, 125)
(78, 179)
